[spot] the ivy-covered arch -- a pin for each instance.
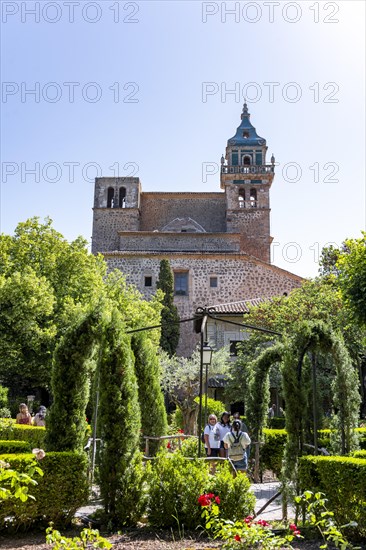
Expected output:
(314, 337)
(258, 397)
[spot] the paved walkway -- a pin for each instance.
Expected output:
(263, 492)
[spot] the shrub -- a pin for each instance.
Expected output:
(151, 398)
(34, 435)
(14, 446)
(70, 381)
(343, 480)
(277, 423)
(189, 447)
(271, 453)
(121, 471)
(359, 454)
(59, 493)
(175, 484)
(236, 501)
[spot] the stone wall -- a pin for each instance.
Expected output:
(207, 209)
(107, 222)
(184, 242)
(253, 225)
(239, 278)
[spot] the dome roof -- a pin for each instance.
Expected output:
(246, 134)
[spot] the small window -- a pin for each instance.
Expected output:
(247, 160)
(245, 135)
(148, 280)
(110, 197)
(213, 282)
(181, 283)
(122, 197)
(253, 198)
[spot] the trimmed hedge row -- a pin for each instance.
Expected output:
(14, 446)
(271, 453)
(34, 435)
(59, 493)
(343, 480)
(359, 454)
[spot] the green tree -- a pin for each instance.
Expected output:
(319, 299)
(352, 276)
(147, 369)
(27, 329)
(169, 315)
(66, 423)
(181, 380)
(46, 282)
(121, 474)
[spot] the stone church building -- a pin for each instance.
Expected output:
(218, 244)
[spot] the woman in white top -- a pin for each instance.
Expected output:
(212, 437)
(223, 427)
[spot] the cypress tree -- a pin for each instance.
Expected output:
(147, 369)
(70, 380)
(169, 314)
(121, 473)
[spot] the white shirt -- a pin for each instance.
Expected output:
(213, 436)
(223, 430)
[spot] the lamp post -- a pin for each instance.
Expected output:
(205, 359)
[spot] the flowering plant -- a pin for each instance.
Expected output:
(242, 534)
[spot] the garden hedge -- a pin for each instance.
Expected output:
(271, 453)
(34, 435)
(343, 480)
(14, 446)
(359, 454)
(59, 493)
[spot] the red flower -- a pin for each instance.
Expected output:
(297, 533)
(237, 537)
(210, 495)
(263, 523)
(217, 500)
(204, 500)
(169, 446)
(181, 431)
(248, 519)
(292, 527)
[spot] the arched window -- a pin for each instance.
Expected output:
(253, 198)
(122, 197)
(241, 198)
(247, 160)
(110, 197)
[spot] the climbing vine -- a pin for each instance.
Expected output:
(258, 397)
(310, 337)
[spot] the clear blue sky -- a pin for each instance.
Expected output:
(158, 56)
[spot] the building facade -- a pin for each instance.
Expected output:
(218, 244)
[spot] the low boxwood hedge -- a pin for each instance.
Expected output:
(359, 454)
(34, 435)
(343, 480)
(271, 453)
(59, 493)
(14, 446)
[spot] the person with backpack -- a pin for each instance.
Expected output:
(235, 443)
(211, 437)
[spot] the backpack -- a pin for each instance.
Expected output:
(236, 450)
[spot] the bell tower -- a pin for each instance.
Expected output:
(246, 179)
